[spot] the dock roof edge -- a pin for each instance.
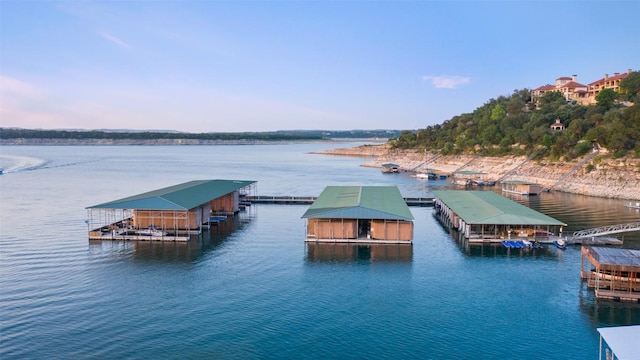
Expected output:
(487, 207)
(360, 202)
(182, 196)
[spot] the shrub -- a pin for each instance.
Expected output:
(589, 168)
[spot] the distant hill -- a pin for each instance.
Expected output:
(513, 125)
(39, 136)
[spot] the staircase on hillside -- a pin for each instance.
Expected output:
(467, 163)
(595, 152)
(424, 163)
(508, 173)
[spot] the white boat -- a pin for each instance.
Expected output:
(151, 232)
(560, 244)
(429, 176)
(633, 206)
(621, 276)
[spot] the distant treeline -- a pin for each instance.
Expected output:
(11, 133)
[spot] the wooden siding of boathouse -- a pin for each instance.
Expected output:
(392, 230)
(332, 228)
(170, 220)
(347, 229)
(227, 204)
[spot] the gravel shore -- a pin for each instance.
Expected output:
(600, 176)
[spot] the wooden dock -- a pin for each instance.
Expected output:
(308, 200)
(283, 200)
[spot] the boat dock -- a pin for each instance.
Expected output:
(613, 273)
(308, 200)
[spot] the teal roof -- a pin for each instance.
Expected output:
(360, 202)
(520, 182)
(391, 165)
(487, 207)
(469, 172)
(183, 196)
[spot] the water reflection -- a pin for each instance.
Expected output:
(358, 252)
(605, 312)
(169, 251)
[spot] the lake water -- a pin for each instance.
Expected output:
(252, 289)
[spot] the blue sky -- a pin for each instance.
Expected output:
(218, 66)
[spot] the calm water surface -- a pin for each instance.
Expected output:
(252, 289)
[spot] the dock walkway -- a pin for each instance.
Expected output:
(606, 230)
(308, 200)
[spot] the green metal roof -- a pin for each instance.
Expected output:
(183, 196)
(391, 165)
(360, 202)
(487, 207)
(520, 182)
(470, 172)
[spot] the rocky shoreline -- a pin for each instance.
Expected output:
(600, 176)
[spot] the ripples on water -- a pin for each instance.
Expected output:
(250, 288)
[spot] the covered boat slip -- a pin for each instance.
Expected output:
(172, 213)
(484, 216)
(613, 273)
(521, 187)
(621, 342)
(359, 214)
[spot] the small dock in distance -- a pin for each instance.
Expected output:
(308, 200)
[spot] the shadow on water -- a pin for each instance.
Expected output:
(318, 252)
(170, 251)
(606, 312)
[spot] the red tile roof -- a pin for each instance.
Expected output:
(610, 78)
(572, 84)
(545, 88)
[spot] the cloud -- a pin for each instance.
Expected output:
(447, 82)
(115, 40)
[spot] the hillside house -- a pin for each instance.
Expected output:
(582, 94)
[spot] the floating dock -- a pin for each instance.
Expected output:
(521, 187)
(484, 216)
(172, 213)
(613, 273)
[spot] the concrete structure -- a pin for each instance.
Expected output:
(359, 214)
(171, 213)
(484, 216)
